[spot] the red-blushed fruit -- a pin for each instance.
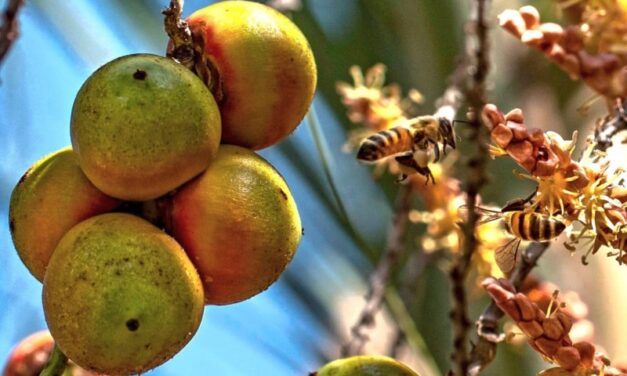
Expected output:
(265, 69)
(30, 355)
(238, 223)
(142, 125)
(120, 295)
(51, 197)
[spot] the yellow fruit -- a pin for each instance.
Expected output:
(120, 296)
(238, 223)
(142, 125)
(265, 68)
(366, 365)
(51, 197)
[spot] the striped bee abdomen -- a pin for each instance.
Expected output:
(385, 143)
(533, 226)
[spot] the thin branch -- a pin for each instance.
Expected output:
(9, 27)
(182, 49)
(610, 126)
(380, 276)
(476, 178)
(448, 105)
(450, 102)
(487, 326)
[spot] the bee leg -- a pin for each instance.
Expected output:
(426, 172)
(436, 151)
(408, 160)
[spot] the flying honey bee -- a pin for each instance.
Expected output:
(411, 141)
(522, 224)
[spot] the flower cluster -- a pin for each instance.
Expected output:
(594, 49)
(586, 192)
(549, 332)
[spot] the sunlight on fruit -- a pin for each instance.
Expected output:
(238, 223)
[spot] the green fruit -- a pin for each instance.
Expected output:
(51, 197)
(120, 296)
(366, 365)
(143, 125)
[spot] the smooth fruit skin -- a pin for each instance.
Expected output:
(142, 125)
(120, 296)
(366, 365)
(50, 198)
(238, 223)
(266, 69)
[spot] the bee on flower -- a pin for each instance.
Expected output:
(585, 195)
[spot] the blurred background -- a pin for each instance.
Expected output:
(301, 321)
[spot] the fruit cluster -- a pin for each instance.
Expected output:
(149, 149)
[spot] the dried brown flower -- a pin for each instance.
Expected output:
(601, 62)
(547, 333)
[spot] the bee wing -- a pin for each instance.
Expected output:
(485, 215)
(506, 256)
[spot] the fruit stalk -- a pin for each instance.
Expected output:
(180, 35)
(56, 363)
(380, 276)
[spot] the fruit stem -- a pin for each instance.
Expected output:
(56, 363)
(180, 35)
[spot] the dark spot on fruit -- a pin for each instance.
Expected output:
(140, 75)
(283, 194)
(126, 259)
(132, 324)
(147, 346)
(12, 225)
(118, 272)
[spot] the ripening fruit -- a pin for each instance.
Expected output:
(266, 70)
(366, 365)
(238, 223)
(51, 197)
(142, 125)
(29, 357)
(120, 296)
